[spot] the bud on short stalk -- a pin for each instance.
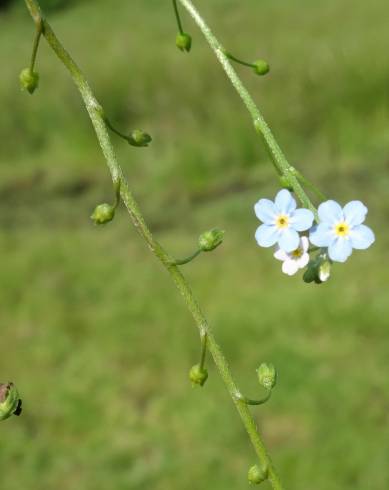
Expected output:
(209, 240)
(184, 41)
(267, 376)
(103, 213)
(198, 375)
(29, 80)
(261, 67)
(10, 403)
(139, 138)
(257, 474)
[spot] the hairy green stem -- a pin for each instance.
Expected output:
(279, 160)
(96, 115)
(250, 401)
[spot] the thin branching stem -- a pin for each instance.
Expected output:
(96, 115)
(278, 158)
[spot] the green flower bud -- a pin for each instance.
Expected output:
(257, 475)
(29, 80)
(267, 375)
(103, 213)
(139, 138)
(184, 42)
(285, 183)
(209, 240)
(324, 270)
(10, 403)
(198, 375)
(261, 67)
(318, 270)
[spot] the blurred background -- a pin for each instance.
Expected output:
(94, 333)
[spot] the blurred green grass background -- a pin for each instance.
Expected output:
(92, 330)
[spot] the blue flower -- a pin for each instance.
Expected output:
(281, 222)
(341, 230)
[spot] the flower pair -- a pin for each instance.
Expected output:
(339, 230)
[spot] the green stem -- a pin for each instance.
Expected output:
(114, 130)
(177, 14)
(310, 185)
(278, 158)
(96, 115)
(204, 341)
(249, 401)
(237, 60)
(187, 259)
(38, 33)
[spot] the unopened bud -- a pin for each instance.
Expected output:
(257, 474)
(267, 375)
(10, 403)
(198, 375)
(324, 270)
(211, 239)
(139, 138)
(184, 42)
(29, 80)
(261, 67)
(103, 213)
(318, 270)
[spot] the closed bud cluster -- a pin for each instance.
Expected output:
(29, 80)
(261, 67)
(184, 42)
(10, 403)
(209, 240)
(257, 474)
(103, 213)
(318, 270)
(139, 138)
(267, 375)
(198, 375)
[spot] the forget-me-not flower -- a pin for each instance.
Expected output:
(281, 221)
(341, 230)
(293, 261)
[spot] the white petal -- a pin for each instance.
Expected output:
(355, 213)
(304, 243)
(288, 240)
(303, 261)
(361, 237)
(266, 235)
(330, 212)
(289, 267)
(280, 254)
(285, 202)
(265, 210)
(302, 219)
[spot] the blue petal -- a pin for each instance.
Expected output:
(355, 213)
(285, 202)
(340, 250)
(321, 235)
(330, 212)
(265, 210)
(361, 237)
(266, 235)
(302, 219)
(288, 240)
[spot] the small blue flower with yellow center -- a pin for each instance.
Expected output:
(281, 222)
(341, 230)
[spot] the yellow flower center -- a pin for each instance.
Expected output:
(282, 221)
(297, 253)
(342, 229)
